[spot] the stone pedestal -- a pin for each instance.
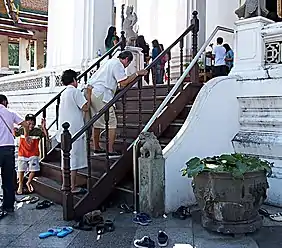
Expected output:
(137, 63)
(151, 176)
(249, 60)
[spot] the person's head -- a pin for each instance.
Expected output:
(219, 41)
(31, 120)
(69, 78)
(140, 41)
(155, 43)
(125, 58)
(111, 33)
(3, 100)
(227, 47)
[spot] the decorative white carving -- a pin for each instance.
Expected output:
(273, 53)
(260, 129)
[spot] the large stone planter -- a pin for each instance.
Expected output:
(230, 205)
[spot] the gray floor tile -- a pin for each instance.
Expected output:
(268, 237)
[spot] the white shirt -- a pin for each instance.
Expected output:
(106, 79)
(70, 110)
(219, 53)
(10, 118)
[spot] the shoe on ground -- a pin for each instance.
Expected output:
(162, 239)
(140, 221)
(145, 242)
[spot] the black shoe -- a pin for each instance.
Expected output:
(99, 152)
(145, 242)
(162, 239)
(114, 154)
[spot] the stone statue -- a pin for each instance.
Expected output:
(251, 9)
(151, 147)
(128, 25)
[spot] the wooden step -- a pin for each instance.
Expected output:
(50, 189)
(132, 116)
(147, 103)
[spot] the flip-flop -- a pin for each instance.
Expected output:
(65, 231)
(24, 199)
(33, 199)
(50, 232)
(44, 204)
(264, 212)
(276, 217)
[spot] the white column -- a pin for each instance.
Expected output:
(74, 39)
(221, 13)
(24, 55)
(38, 54)
(4, 45)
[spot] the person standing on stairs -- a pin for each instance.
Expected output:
(71, 109)
(101, 90)
(219, 54)
(7, 152)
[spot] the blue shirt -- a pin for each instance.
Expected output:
(230, 55)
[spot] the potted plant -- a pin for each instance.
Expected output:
(229, 189)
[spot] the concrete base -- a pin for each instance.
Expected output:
(151, 186)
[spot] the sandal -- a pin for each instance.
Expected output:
(126, 208)
(276, 217)
(109, 226)
(50, 232)
(65, 231)
(44, 204)
(33, 199)
(182, 213)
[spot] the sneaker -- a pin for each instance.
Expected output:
(145, 216)
(140, 220)
(145, 242)
(162, 239)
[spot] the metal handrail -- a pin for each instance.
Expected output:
(167, 99)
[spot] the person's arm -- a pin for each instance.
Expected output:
(213, 53)
(123, 79)
(44, 129)
(19, 121)
(88, 95)
(80, 100)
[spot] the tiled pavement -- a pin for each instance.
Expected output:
(21, 229)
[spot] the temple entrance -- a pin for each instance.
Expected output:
(271, 5)
(275, 11)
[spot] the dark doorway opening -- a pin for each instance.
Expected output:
(271, 5)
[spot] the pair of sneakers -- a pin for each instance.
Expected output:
(147, 242)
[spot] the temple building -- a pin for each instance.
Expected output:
(23, 23)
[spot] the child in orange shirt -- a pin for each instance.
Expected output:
(28, 155)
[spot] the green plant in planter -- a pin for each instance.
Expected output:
(237, 164)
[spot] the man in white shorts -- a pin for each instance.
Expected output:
(101, 90)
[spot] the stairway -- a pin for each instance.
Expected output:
(135, 106)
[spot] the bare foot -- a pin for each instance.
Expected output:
(29, 187)
(20, 191)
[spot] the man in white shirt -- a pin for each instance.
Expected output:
(72, 106)
(7, 152)
(219, 54)
(102, 88)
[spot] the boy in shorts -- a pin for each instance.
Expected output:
(28, 155)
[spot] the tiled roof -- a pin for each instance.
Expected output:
(34, 5)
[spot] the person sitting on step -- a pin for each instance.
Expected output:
(101, 90)
(28, 154)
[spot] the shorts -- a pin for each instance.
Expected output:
(96, 105)
(29, 164)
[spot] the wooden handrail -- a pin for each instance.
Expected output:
(126, 88)
(120, 43)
